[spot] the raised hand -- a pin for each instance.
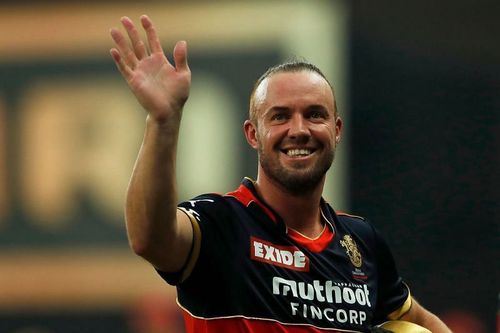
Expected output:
(160, 87)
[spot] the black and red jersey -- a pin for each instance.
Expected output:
(248, 272)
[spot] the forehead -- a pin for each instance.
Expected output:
(293, 89)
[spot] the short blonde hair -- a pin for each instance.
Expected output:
(286, 67)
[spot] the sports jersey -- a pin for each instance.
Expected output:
(249, 272)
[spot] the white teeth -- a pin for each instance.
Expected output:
(298, 152)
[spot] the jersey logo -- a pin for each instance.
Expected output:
(283, 256)
(352, 250)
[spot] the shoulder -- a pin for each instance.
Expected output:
(350, 217)
(351, 221)
(205, 204)
(203, 200)
(358, 226)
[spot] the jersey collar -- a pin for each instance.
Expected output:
(247, 195)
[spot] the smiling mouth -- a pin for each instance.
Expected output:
(303, 152)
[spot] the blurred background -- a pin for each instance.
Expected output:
(418, 86)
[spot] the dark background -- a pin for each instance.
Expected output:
(425, 124)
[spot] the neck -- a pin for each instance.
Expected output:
(300, 212)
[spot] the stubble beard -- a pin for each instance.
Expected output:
(299, 180)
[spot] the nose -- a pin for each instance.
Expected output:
(298, 127)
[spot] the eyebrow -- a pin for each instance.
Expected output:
(317, 107)
(312, 107)
(276, 109)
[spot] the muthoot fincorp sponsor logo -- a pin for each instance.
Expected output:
(328, 291)
(346, 297)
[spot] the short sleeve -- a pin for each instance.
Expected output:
(394, 297)
(206, 213)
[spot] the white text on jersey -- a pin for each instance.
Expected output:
(284, 256)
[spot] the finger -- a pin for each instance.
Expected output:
(137, 44)
(120, 64)
(180, 56)
(122, 45)
(153, 40)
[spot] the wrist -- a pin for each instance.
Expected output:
(163, 130)
(164, 120)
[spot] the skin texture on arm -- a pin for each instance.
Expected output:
(419, 315)
(156, 230)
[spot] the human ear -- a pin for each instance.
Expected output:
(250, 133)
(338, 129)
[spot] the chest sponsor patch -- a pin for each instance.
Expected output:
(278, 255)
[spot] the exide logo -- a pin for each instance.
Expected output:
(283, 256)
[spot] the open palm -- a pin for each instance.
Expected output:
(161, 88)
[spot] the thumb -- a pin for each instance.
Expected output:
(180, 56)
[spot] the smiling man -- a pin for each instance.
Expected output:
(271, 256)
(293, 115)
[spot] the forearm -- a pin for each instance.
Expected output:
(152, 196)
(434, 324)
(419, 315)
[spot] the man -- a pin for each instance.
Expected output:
(271, 256)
